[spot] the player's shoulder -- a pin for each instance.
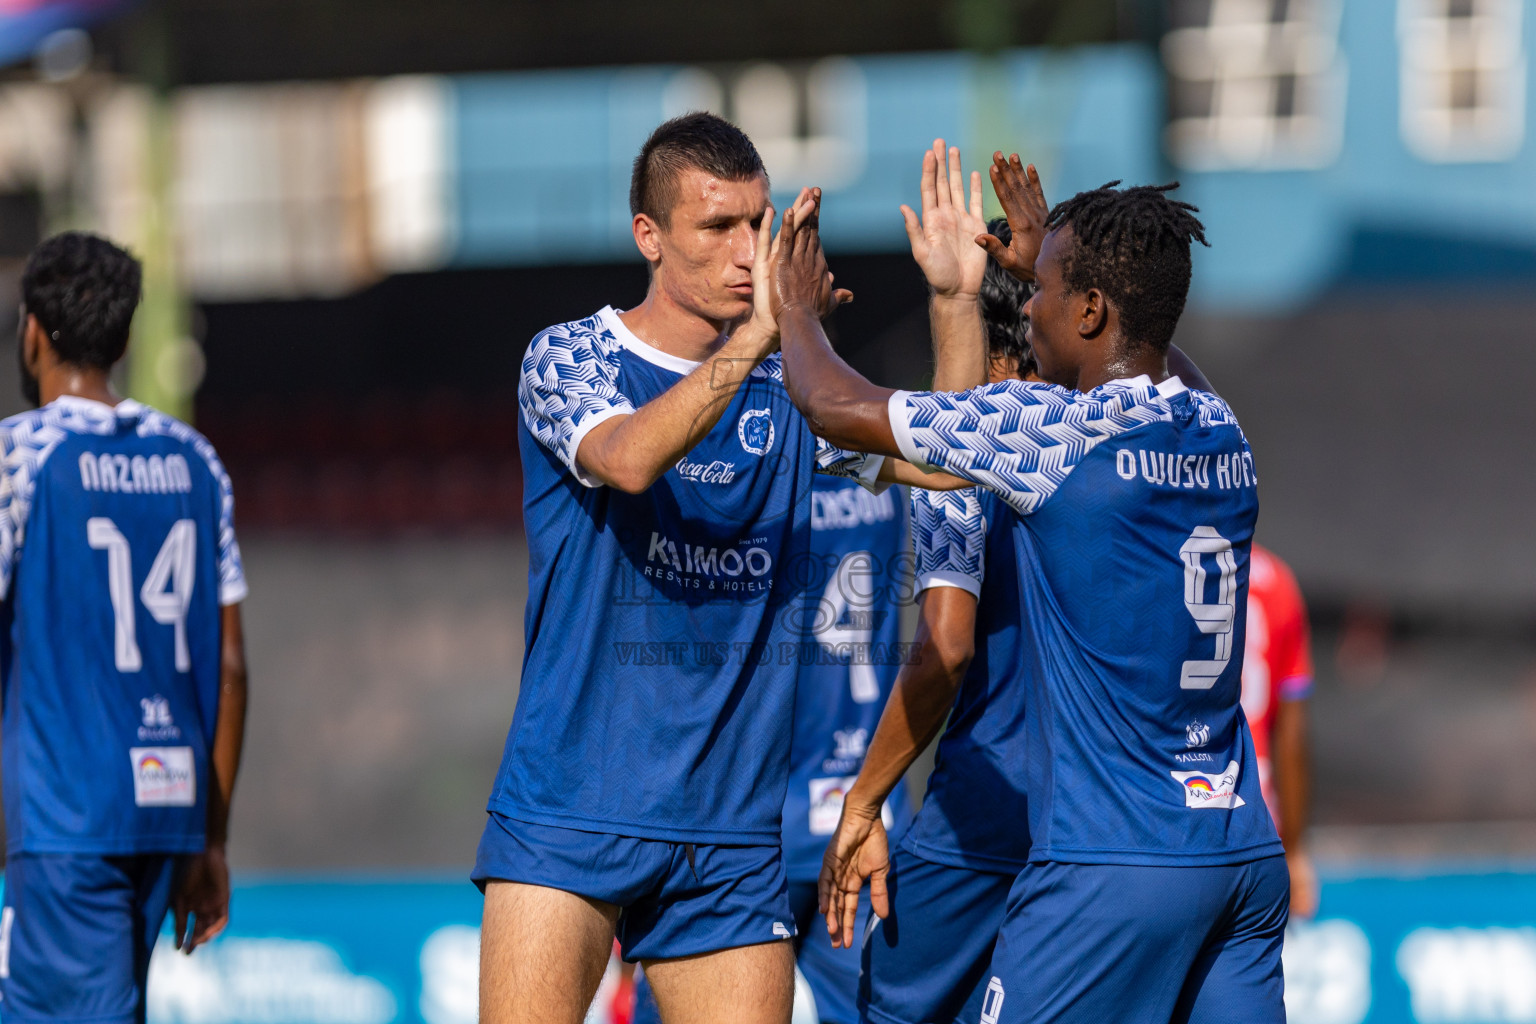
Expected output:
(151, 422)
(598, 334)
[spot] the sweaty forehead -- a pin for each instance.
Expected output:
(703, 196)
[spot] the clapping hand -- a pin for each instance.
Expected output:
(800, 274)
(944, 240)
(1018, 189)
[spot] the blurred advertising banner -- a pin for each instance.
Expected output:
(1438, 949)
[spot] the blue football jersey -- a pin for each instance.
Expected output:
(975, 813)
(117, 549)
(1133, 509)
(849, 656)
(662, 629)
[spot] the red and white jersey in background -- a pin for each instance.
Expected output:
(1277, 660)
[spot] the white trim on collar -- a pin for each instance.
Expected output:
(650, 353)
(127, 407)
(1168, 388)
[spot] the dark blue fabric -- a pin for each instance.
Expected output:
(851, 641)
(1142, 944)
(81, 929)
(110, 691)
(927, 962)
(833, 974)
(663, 628)
(975, 812)
(675, 899)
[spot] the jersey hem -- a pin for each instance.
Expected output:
(636, 829)
(1153, 858)
(586, 427)
(963, 861)
(949, 578)
(901, 428)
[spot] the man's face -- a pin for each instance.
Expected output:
(708, 244)
(1052, 313)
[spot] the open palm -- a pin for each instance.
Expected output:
(944, 239)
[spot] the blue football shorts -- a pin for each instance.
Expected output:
(1088, 943)
(76, 934)
(927, 962)
(832, 974)
(674, 898)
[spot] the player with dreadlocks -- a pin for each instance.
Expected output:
(1155, 888)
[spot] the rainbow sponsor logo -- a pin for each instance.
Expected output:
(163, 776)
(1210, 789)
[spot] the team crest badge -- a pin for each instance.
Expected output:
(755, 430)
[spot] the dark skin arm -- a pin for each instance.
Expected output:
(839, 404)
(920, 701)
(1293, 785)
(200, 906)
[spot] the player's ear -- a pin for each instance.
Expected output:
(1093, 313)
(647, 237)
(33, 340)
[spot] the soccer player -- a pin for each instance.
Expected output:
(848, 660)
(948, 880)
(666, 478)
(123, 671)
(1277, 682)
(1155, 887)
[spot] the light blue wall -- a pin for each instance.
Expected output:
(543, 158)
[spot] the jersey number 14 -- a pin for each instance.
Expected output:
(166, 593)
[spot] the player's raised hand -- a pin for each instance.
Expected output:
(859, 849)
(944, 239)
(800, 274)
(200, 907)
(1018, 189)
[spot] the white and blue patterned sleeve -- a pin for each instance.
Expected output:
(949, 536)
(1015, 438)
(567, 387)
(13, 510)
(232, 585)
(834, 461)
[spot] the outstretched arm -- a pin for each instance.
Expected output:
(919, 703)
(944, 245)
(839, 404)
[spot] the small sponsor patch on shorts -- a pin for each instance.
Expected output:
(163, 776)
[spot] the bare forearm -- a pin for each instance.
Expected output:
(959, 342)
(921, 699)
(632, 452)
(1293, 771)
(229, 729)
(900, 471)
(839, 404)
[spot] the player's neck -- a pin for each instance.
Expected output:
(663, 324)
(80, 382)
(1117, 361)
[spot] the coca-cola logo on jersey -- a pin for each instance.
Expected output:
(716, 472)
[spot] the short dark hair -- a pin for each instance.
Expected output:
(1002, 308)
(1133, 245)
(705, 141)
(83, 291)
